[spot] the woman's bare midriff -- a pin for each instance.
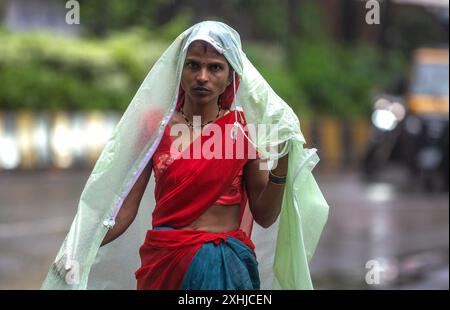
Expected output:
(217, 219)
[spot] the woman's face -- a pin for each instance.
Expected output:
(206, 73)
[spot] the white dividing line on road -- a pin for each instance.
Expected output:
(35, 228)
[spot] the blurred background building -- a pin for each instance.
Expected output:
(373, 98)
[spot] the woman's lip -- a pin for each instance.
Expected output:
(201, 89)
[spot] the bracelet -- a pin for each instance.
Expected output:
(276, 179)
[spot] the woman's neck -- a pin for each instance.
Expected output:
(206, 111)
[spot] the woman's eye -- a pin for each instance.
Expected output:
(216, 68)
(191, 64)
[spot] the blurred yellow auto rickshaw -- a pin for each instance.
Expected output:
(426, 139)
(413, 129)
(429, 91)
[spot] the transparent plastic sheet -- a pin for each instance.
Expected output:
(283, 250)
(130, 147)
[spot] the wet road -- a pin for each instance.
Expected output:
(405, 231)
(379, 235)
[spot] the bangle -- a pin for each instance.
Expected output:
(276, 179)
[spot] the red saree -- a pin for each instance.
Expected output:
(185, 188)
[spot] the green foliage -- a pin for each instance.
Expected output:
(269, 17)
(337, 79)
(313, 24)
(333, 82)
(102, 16)
(40, 71)
(323, 77)
(269, 61)
(313, 73)
(174, 27)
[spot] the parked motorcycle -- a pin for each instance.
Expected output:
(385, 136)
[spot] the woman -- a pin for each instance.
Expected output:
(205, 77)
(196, 241)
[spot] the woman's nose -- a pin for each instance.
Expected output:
(202, 75)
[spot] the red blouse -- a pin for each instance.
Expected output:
(163, 157)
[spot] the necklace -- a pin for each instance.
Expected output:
(201, 125)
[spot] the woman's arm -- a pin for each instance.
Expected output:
(130, 206)
(265, 198)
